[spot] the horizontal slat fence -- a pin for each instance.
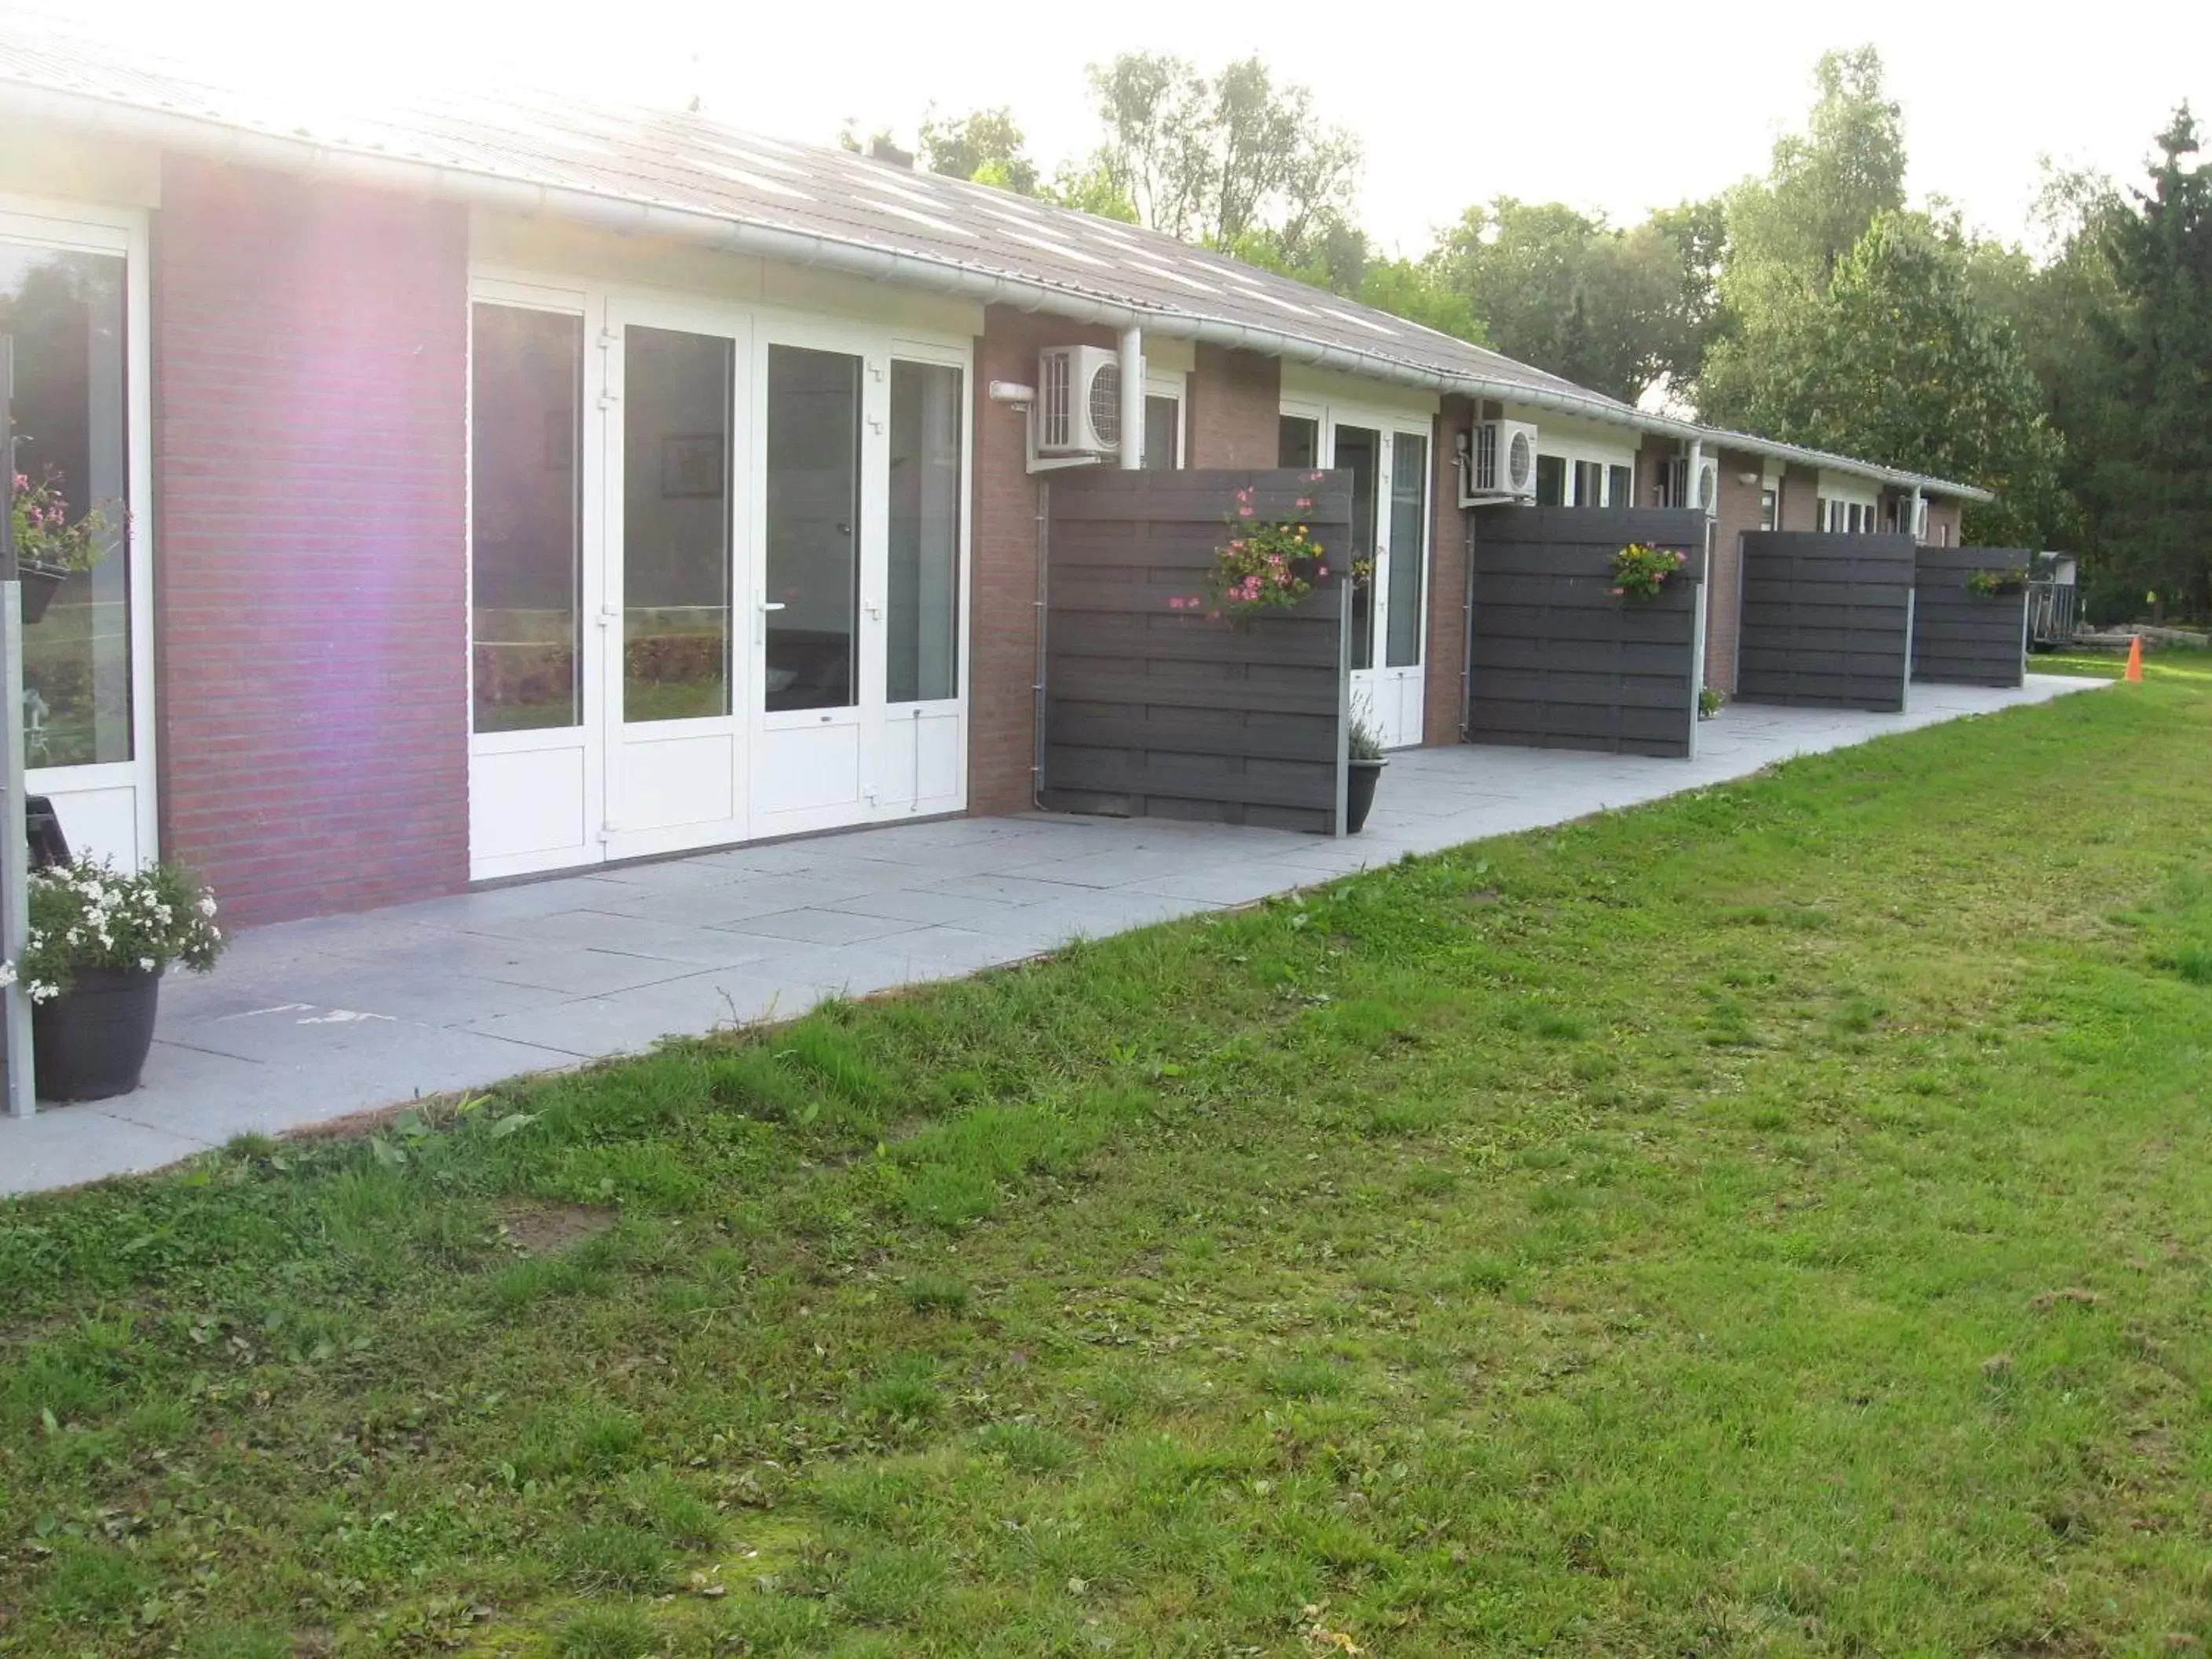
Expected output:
(1557, 660)
(1961, 637)
(1826, 620)
(1156, 711)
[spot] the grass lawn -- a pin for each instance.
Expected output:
(1776, 1221)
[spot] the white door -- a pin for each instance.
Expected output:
(1389, 469)
(726, 601)
(676, 721)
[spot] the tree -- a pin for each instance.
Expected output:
(1606, 309)
(1788, 232)
(985, 145)
(1222, 159)
(1898, 362)
(2149, 482)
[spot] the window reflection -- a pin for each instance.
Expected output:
(65, 314)
(676, 525)
(813, 487)
(924, 625)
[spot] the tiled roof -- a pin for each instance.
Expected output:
(689, 174)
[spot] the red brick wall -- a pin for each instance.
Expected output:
(1002, 611)
(309, 423)
(1235, 409)
(1442, 715)
(1738, 516)
(1801, 499)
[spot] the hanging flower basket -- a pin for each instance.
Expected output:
(1263, 565)
(1639, 572)
(41, 583)
(51, 548)
(1992, 584)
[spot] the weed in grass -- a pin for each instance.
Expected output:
(607, 1632)
(605, 1555)
(90, 1584)
(660, 1502)
(2194, 963)
(1303, 1379)
(1484, 1271)
(771, 1626)
(1431, 1180)
(1026, 1446)
(578, 1439)
(890, 1583)
(935, 1293)
(904, 1392)
(239, 1642)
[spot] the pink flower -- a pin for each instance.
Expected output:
(1618, 592)
(1244, 512)
(1323, 571)
(1304, 501)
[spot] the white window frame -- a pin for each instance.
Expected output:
(78, 228)
(1573, 453)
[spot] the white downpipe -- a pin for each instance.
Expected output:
(1132, 398)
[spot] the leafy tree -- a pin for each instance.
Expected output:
(1900, 362)
(1608, 309)
(1224, 158)
(2148, 480)
(985, 145)
(1789, 231)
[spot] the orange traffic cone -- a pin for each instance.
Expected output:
(2134, 676)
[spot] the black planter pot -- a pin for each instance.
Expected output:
(40, 582)
(90, 1043)
(1359, 792)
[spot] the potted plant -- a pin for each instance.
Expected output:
(1263, 565)
(1639, 571)
(49, 548)
(100, 941)
(1364, 747)
(1994, 583)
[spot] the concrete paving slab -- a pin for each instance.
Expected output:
(309, 1021)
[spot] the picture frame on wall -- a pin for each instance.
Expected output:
(691, 466)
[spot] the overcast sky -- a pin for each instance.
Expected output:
(1614, 107)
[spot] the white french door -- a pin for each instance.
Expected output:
(1389, 460)
(766, 592)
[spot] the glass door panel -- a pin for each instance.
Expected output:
(525, 517)
(1402, 580)
(65, 310)
(1298, 442)
(675, 572)
(813, 485)
(922, 644)
(1359, 451)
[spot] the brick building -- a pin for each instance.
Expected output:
(516, 489)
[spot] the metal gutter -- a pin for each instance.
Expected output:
(317, 160)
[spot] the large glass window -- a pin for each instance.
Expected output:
(65, 314)
(1409, 494)
(526, 369)
(813, 488)
(676, 525)
(1590, 483)
(1359, 451)
(1551, 480)
(1299, 443)
(1620, 486)
(922, 650)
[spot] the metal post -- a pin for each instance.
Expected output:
(15, 849)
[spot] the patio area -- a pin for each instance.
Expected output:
(310, 1021)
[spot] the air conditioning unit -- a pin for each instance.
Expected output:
(1079, 401)
(1708, 489)
(1500, 463)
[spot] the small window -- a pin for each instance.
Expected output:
(1551, 480)
(1770, 509)
(1590, 483)
(1163, 451)
(1299, 444)
(1620, 486)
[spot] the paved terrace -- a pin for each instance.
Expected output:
(309, 1021)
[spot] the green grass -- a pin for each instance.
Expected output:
(1773, 1221)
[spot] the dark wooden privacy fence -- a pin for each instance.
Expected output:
(1961, 637)
(1827, 621)
(1556, 659)
(1154, 710)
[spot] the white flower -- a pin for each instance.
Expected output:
(42, 991)
(146, 964)
(207, 904)
(7, 974)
